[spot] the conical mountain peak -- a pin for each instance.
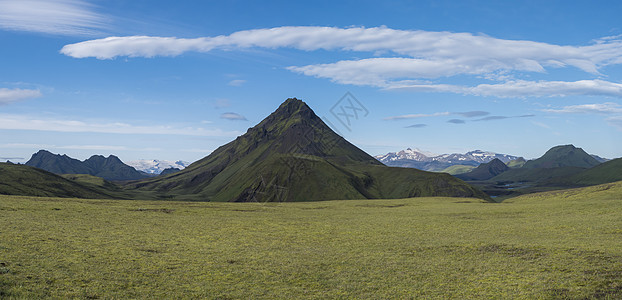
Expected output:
(292, 155)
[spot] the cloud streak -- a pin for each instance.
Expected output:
(413, 57)
(429, 48)
(14, 95)
(415, 116)
(233, 116)
(20, 122)
(596, 108)
(416, 126)
(64, 17)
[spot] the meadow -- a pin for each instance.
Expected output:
(563, 244)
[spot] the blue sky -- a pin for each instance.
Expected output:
(175, 80)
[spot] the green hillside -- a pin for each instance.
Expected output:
(563, 156)
(536, 175)
(558, 245)
(29, 181)
(293, 156)
(517, 163)
(457, 169)
(485, 171)
(606, 172)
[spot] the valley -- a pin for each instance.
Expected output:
(551, 245)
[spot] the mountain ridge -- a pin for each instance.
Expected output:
(292, 155)
(417, 159)
(109, 168)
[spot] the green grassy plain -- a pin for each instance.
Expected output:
(563, 244)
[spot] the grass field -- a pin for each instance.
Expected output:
(565, 244)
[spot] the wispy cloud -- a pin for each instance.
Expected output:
(64, 17)
(222, 103)
(470, 53)
(233, 116)
(492, 118)
(20, 122)
(596, 108)
(539, 124)
(615, 122)
(468, 114)
(13, 95)
(473, 114)
(237, 82)
(425, 55)
(415, 116)
(521, 88)
(416, 126)
(456, 121)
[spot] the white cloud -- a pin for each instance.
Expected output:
(65, 17)
(428, 48)
(598, 108)
(233, 116)
(13, 95)
(614, 110)
(20, 122)
(423, 55)
(522, 88)
(415, 116)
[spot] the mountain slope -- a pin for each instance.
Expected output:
(28, 181)
(517, 163)
(606, 172)
(485, 171)
(293, 156)
(563, 156)
(109, 168)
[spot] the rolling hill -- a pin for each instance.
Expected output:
(485, 171)
(606, 172)
(563, 156)
(109, 168)
(28, 181)
(292, 155)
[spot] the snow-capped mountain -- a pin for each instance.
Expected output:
(410, 154)
(418, 159)
(155, 166)
(477, 156)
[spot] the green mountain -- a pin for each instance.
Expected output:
(292, 155)
(606, 172)
(485, 171)
(563, 156)
(517, 163)
(28, 181)
(457, 169)
(109, 168)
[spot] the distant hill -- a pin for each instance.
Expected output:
(563, 156)
(292, 155)
(606, 172)
(517, 163)
(600, 159)
(28, 181)
(457, 169)
(417, 159)
(485, 171)
(169, 171)
(109, 168)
